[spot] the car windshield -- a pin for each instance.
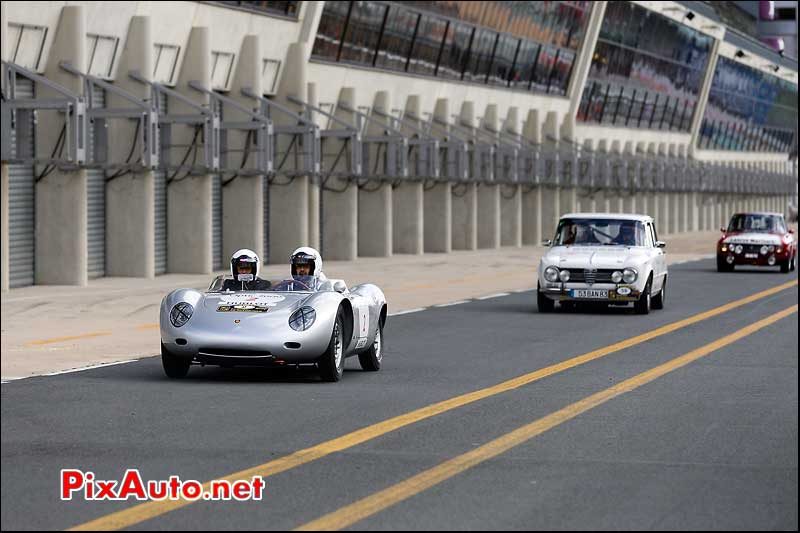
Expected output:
(599, 232)
(756, 223)
(296, 284)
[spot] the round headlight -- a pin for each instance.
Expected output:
(771, 249)
(616, 276)
(764, 250)
(180, 314)
(564, 275)
(302, 319)
(739, 248)
(551, 273)
(629, 275)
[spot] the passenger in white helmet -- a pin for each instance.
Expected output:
(244, 269)
(306, 267)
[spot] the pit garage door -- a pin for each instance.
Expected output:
(22, 208)
(96, 208)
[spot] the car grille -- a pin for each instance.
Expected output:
(590, 276)
(228, 352)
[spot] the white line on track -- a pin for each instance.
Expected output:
(457, 302)
(408, 311)
(490, 296)
(81, 369)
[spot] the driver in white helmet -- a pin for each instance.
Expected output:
(306, 267)
(244, 268)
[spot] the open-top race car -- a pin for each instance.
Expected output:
(614, 259)
(293, 321)
(759, 239)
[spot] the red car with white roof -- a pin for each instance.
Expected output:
(758, 239)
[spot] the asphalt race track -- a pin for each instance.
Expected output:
(709, 445)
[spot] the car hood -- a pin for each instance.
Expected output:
(753, 238)
(594, 256)
(255, 302)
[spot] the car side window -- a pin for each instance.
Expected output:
(651, 238)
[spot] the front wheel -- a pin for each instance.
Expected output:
(723, 266)
(371, 359)
(661, 297)
(786, 266)
(331, 364)
(642, 305)
(174, 366)
(545, 304)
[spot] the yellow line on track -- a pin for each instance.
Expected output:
(70, 338)
(379, 501)
(145, 511)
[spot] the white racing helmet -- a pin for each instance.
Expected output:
(309, 255)
(244, 256)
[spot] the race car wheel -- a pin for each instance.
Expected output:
(660, 298)
(331, 364)
(794, 263)
(371, 359)
(642, 305)
(545, 304)
(722, 266)
(786, 266)
(174, 366)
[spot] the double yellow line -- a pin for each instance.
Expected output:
(145, 511)
(377, 502)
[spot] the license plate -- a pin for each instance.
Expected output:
(589, 293)
(751, 256)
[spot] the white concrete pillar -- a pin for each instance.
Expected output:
(511, 215)
(465, 210)
(662, 198)
(4, 263)
(438, 205)
(604, 198)
(532, 216)
(408, 218)
(488, 216)
(244, 194)
(339, 200)
(61, 197)
(375, 205)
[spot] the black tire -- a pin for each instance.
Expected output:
(545, 304)
(661, 297)
(175, 367)
(722, 266)
(371, 359)
(642, 305)
(786, 266)
(794, 263)
(329, 368)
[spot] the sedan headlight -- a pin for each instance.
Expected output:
(551, 273)
(616, 276)
(764, 250)
(629, 275)
(771, 249)
(739, 248)
(564, 275)
(180, 314)
(302, 319)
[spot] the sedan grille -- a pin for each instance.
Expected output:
(229, 352)
(590, 276)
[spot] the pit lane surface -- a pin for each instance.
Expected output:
(710, 445)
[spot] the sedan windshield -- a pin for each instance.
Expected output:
(599, 232)
(757, 223)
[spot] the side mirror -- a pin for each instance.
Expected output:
(547, 242)
(661, 244)
(791, 231)
(722, 230)
(339, 286)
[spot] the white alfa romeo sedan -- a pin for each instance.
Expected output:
(610, 258)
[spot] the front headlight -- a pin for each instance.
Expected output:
(302, 319)
(629, 275)
(764, 250)
(739, 248)
(180, 314)
(564, 275)
(616, 276)
(551, 273)
(771, 249)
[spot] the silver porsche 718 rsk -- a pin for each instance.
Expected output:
(293, 321)
(608, 258)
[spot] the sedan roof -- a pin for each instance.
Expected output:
(610, 216)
